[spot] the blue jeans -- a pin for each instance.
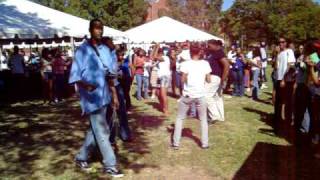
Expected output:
(238, 82)
(98, 136)
(145, 87)
(139, 79)
(124, 130)
(255, 78)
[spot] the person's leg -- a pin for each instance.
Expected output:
(60, 86)
(145, 87)
(139, 86)
(289, 101)
(277, 106)
(125, 133)
(235, 83)
(87, 147)
(202, 111)
(173, 83)
(126, 84)
(183, 106)
(241, 83)
(255, 90)
(101, 133)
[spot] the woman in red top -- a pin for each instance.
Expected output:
(58, 70)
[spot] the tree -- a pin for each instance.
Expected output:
(258, 20)
(202, 14)
(119, 14)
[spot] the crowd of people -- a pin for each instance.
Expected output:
(37, 75)
(197, 74)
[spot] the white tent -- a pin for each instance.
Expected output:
(28, 19)
(166, 29)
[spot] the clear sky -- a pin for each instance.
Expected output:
(228, 3)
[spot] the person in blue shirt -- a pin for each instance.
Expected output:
(237, 72)
(123, 128)
(93, 71)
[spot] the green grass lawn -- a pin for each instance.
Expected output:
(40, 141)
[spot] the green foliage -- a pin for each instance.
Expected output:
(202, 14)
(119, 14)
(268, 19)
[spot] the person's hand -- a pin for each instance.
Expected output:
(220, 90)
(282, 84)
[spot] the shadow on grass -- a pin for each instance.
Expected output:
(186, 132)
(38, 140)
(269, 161)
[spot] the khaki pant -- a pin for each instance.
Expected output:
(214, 101)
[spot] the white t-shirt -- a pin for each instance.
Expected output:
(196, 71)
(232, 55)
(164, 67)
(185, 54)
(3, 63)
(283, 58)
(146, 66)
(255, 61)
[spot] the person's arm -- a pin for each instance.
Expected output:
(225, 66)
(114, 95)
(184, 78)
(208, 78)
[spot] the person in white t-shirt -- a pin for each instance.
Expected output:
(195, 73)
(284, 64)
(264, 63)
(256, 66)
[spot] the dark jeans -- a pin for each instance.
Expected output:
(302, 103)
(124, 130)
(126, 86)
(238, 82)
(278, 101)
(58, 86)
(315, 115)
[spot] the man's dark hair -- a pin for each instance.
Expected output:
(15, 49)
(256, 52)
(195, 50)
(215, 42)
(93, 21)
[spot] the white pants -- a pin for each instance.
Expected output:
(214, 101)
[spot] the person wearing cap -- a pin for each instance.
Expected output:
(219, 73)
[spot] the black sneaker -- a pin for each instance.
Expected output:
(83, 165)
(205, 147)
(174, 147)
(113, 172)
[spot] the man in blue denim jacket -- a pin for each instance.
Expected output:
(90, 72)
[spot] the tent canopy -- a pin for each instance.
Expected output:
(166, 29)
(27, 19)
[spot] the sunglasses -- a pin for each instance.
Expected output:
(281, 42)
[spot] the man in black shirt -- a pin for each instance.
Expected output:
(220, 70)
